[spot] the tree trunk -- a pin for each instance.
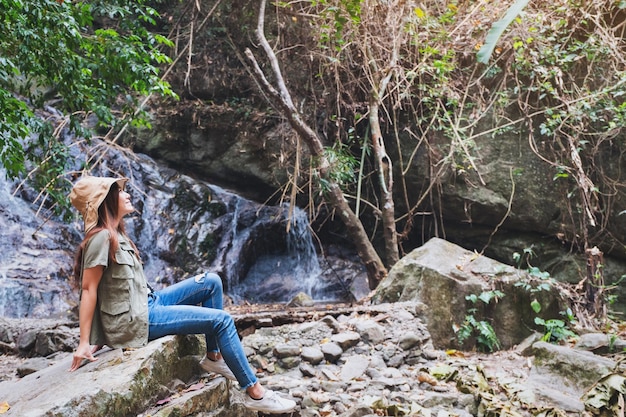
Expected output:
(594, 284)
(385, 173)
(379, 80)
(280, 97)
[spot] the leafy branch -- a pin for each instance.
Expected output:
(93, 60)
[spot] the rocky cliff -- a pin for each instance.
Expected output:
(500, 197)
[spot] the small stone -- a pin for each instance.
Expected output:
(374, 373)
(396, 360)
(26, 341)
(595, 342)
(290, 362)
(354, 367)
(286, 350)
(332, 351)
(431, 354)
(6, 335)
(409, 340)
(301, 300)
(346, 339)
(370, 331)
(392, 373)
(312, 355)
(339, 408)
(332, 323)
(32, 365)
(307, 370)
(361, 411)
(356, 386)
(414, 358)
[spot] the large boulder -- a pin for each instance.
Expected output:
(576, 369)
(450, 281)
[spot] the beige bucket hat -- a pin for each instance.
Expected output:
(87, 195)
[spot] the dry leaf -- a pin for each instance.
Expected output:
(319, 397)
(194, 387)
(115, 361)
(429, 379)
(455, 353)
(4, 407)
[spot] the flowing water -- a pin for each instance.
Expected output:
(278, 275)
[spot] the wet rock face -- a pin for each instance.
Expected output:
(182, 226)
(35, 260)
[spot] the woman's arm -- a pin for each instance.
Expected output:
(89, 296)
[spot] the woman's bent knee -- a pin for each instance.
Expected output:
(209, 279)
(224, 319)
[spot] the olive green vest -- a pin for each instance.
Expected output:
(121, 314)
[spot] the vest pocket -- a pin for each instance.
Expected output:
(115, 307)
(115, 312)
(116, 291)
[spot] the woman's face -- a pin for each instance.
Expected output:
(125, 206)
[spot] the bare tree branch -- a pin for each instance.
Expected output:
(281, 98)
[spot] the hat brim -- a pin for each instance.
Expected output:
(88, 194)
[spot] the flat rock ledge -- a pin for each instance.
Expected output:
(123, 383)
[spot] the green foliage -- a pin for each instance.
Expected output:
(558, 81)
(486, 338)
(336, 16)
(485, 296)
(539, 280)
(16, 121)
(543, 283)
(208, 247)
(92, 58)
(612, 339)
(523, 258)
(343, 165)
(556, 330)
(565, 64)
(497, 29)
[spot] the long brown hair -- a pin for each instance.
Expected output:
(107, 214)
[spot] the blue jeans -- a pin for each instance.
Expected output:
(194, 306)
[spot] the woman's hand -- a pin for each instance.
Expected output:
(84, 351)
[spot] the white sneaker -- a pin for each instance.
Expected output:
(217, 367)
(270, 403)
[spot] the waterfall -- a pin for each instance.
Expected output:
(232, 264)
(300, 247)
(281, 271)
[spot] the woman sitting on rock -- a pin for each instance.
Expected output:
(119, 309)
